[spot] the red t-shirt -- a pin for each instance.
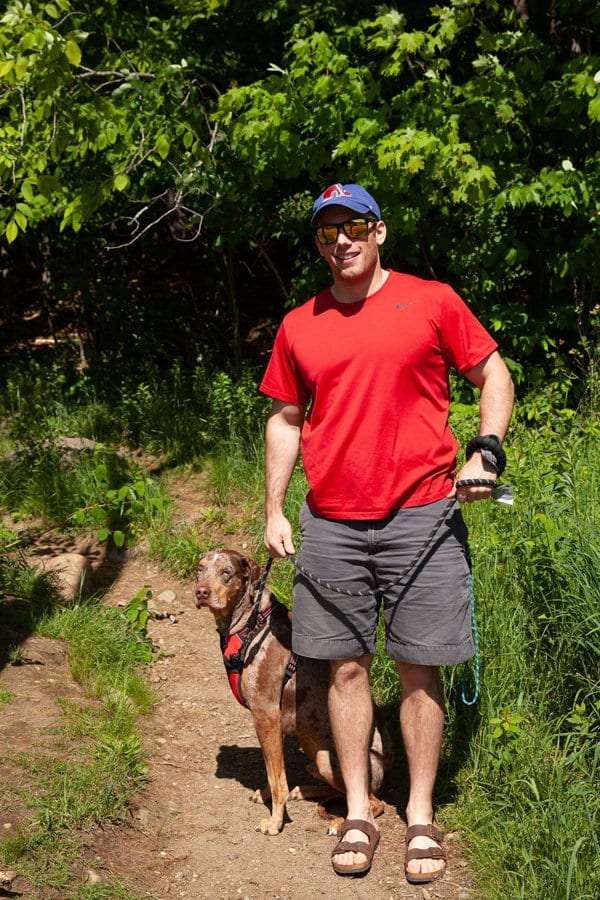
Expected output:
(375, 372)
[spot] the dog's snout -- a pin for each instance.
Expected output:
(202, 595)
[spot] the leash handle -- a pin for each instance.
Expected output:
(476, 482)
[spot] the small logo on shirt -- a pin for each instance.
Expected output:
(405, 305)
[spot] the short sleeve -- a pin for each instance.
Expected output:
(281, 379)
(465, 342)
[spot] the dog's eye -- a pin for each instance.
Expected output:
(226, 575)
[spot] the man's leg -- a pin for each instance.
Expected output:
(351, 715)
(422, 724)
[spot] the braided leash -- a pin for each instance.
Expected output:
(450, 506)
(381, 590)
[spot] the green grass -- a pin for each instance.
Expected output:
(114, 891)
(97, 762)
(80, 491)
(181, 413)
(5, 696)
(178, 547)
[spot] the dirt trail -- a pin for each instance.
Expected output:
(195, 829)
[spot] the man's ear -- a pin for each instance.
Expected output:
(380, 232)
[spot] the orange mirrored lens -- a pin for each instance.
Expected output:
(354, 229)
(327, 234)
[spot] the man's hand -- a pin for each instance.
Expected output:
(278, 536)
(476, 467)
(495, 407)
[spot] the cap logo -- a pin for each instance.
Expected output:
(336, 190)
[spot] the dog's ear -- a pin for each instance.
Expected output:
(250, 569)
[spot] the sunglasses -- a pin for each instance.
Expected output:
(353, 229)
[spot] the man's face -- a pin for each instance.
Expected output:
(350, 259)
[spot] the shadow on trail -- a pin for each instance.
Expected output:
(246, 765)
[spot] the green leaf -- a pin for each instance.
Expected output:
(163, 146)
(101, 472)
(123, 492)
(28, 41)
(11, 231)
(51, 10)
(118, 538)
(21, 66)
(21, 220)
(594, 109)
(103, 534)
(188, 140)
(79, 517)
(121, 181)
(73, 52)
(140, 488)
(98, 514)
(5, 67)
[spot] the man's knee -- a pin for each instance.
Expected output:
(347, 673)
(418, 679)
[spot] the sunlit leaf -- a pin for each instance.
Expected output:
(73, 52)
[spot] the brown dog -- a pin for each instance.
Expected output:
(285, 694)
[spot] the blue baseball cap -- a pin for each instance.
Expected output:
(351, 195)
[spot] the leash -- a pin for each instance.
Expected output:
(396, 581)
(260, 586)
(502, 493)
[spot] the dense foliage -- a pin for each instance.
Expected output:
(192, 135)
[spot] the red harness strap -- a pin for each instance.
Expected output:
(234, 648)
(231, 657)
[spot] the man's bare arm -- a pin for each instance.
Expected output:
(495, 409)
(282, 442)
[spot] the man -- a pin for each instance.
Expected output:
(359, 380)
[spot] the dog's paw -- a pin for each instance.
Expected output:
(260, 795)
(296, 793)
(335, 825)
(267, 826)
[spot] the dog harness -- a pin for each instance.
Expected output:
(235, 647)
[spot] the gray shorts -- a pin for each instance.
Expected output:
(427, 617)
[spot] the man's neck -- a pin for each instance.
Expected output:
(352, 291)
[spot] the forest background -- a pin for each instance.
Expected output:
(158, 162)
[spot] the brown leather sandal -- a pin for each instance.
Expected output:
(356, 847)
(436, 835)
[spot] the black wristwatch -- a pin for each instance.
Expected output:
(490, 447)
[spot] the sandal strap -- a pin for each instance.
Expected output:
(429, 831)
(360, 825)
(357, 846)
(428, 853)
(351, 847)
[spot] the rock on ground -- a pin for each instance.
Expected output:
(72, 571)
